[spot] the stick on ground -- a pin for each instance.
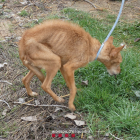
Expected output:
(90, 3)
(41, 105)
(6, 103)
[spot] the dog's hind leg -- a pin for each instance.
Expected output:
(26, 81)
(46, 59)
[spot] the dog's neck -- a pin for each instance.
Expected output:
(94, 47)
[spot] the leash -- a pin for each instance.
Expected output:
(111, 29)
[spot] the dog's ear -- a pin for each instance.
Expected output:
(115, 51)
(110, 39)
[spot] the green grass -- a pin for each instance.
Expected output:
(110, 103)
(23, 13)
(33, 23)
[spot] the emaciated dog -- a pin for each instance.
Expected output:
(59, 45)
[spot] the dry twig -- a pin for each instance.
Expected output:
(1, 81)
(65, 95)
(18, 74)
(27, 6)
(115, 136)
(41, 105)
(90, 3)
(6, 103)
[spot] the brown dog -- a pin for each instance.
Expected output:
(59, 45)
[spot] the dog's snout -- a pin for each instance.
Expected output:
(113, 71)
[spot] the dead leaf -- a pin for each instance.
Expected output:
(136, 40)
(21, 100)
(137, 93)
(50, 118)
(18, 38)
(4, 112)
(107, 134)
(29, 118)
(4, 64)
(37, 102)
(57, 109)
(53, 116)
(90, 138)
(79, 123)
(1, 6)
(24, 2)
(65, 139)
(85, 82)
(70, 116)
(3, 41)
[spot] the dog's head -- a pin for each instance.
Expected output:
(111, 57)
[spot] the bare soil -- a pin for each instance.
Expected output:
(12, 25)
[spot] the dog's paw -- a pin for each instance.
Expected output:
(33, 94)
(72, 107)
(60, 100)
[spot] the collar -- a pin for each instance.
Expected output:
(99, 51)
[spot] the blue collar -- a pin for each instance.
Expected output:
(99, 51)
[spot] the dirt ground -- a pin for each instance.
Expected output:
(47, 119)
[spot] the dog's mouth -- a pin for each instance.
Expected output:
(113, 73)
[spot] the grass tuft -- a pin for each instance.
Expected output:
(23, 13)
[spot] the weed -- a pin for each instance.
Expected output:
(111, 18)
(1, 47)
(23, 13)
